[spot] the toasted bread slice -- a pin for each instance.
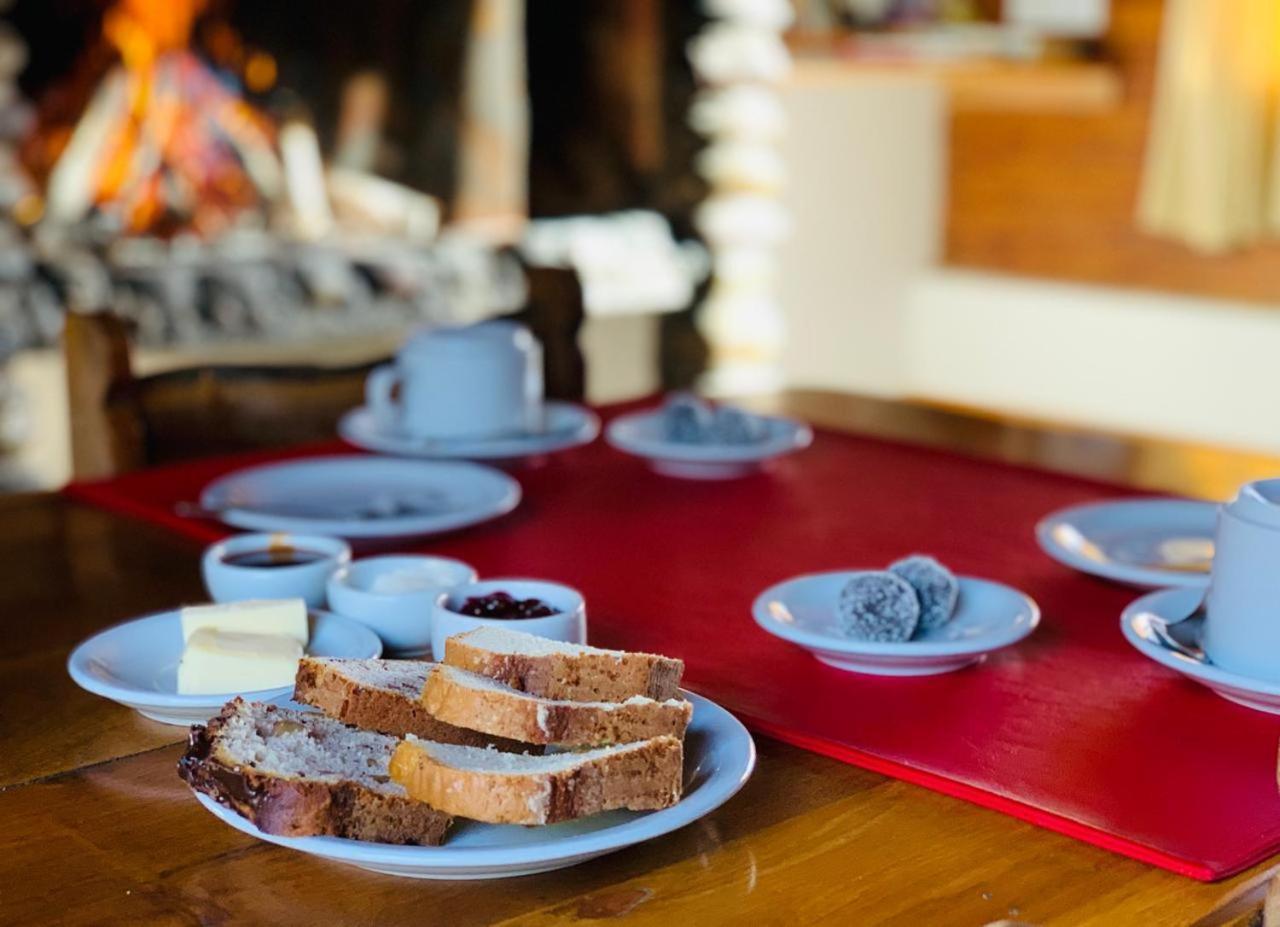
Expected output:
(553, 669)
(300, 774)
(471, 700)
(382, 695)
(509, 788)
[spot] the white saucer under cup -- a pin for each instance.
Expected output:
(564, 425)
(1140, 625)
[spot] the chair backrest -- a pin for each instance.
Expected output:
(121, 421)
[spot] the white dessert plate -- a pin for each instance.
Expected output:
(988, 616)
(136, 664)
(719, 758)
(1148, 543)
(565, 425)
(1172, 606)
(361, 496)
(643, 434)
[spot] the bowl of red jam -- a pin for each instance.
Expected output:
(546, 609)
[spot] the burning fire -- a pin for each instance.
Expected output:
(166, 144)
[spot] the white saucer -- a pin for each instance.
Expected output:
(362, 496)
(719, 758)
(566, 425)
(1125, 540)
(989, 616)
(643, 434)
(136, 664)
(1171, 606)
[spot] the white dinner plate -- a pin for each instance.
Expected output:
(136, 664)
(1172, 606)
(1139, 542)
(719, 758)
(362, 496)
(644, 435)
(565, 425)
(988, 617)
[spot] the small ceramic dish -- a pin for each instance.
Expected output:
(565, 425)
(1169, 608)
(988, 617)
(396, 596)
(136, 664)
(228, 581)
(569, 623)
(644, 435)
(1146, 543)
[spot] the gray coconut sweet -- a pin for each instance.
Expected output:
(935, 586)
(878, 606)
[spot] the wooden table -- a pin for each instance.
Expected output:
(96, 828)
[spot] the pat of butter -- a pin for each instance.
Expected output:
(285, 617)
(217, 662)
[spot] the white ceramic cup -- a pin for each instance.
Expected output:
(402, 618)
(231, 582)
(474, 381)
(1242, 608)
(569, 623)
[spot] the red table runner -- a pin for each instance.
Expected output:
(1072, 729)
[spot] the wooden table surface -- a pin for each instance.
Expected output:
(96, 828)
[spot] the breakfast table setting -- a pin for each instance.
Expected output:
(806, 657)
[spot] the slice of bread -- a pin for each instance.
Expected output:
(553, 669)
(507, 788)
(300, 774)
(483, 704)
(382, 695)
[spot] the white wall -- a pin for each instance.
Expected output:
(866, 157)
(1142, 362)
(869, 310)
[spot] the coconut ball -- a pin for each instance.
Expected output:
(878, 607)
(734, 426)
(686, 419)
(935, 586)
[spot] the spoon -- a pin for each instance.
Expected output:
(1172, 635)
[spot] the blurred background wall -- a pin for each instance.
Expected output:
(1052, 209)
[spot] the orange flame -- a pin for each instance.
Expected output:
(177, 142)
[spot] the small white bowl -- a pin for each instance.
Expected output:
(403, 620)
(568, 624)
(230, 582)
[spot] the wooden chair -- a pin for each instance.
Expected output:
(121, 421)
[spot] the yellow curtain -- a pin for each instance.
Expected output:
(1212, 172)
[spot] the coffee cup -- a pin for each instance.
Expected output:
(466, 382)
(1242, 607)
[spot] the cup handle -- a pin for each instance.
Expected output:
(378, 394)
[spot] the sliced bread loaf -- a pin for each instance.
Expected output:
(382, 695)
(301, 774)
(471, 700)
(508, 788)
(553, 669)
